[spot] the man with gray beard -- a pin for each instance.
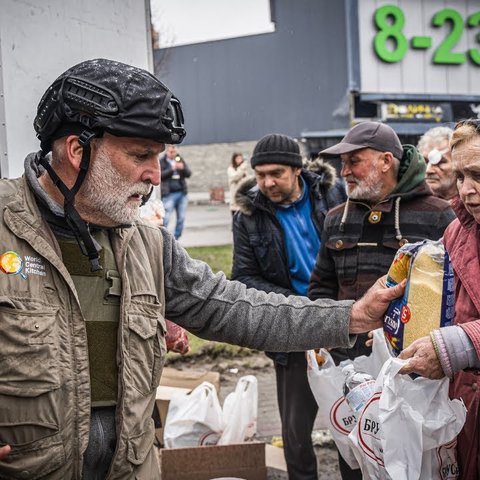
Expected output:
(389, 204)
(83, 332)
(106, 192)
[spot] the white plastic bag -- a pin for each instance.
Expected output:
(374, 362)
(408, 429)
(366, 441)
(333, 412)
(240, 412)
(194, 419)
(326, 383)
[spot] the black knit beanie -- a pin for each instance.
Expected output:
(276, 148)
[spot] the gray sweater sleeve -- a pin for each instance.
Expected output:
(214, 308)
(460, 349)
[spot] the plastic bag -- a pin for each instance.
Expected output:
(407, 430)
(194, 419)
(240, 412)
(326, 384)
(333, 412)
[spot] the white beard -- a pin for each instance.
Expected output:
(369, 188)
(107, 192)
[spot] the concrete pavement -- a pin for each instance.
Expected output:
(206, 224)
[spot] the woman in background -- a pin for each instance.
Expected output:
(236, 172)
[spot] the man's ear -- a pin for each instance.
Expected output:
(73, 152)
(388, 161)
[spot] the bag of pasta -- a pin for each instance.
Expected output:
(428, 301)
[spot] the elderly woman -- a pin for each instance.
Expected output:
(455, 351)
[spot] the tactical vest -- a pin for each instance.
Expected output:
(99, 294)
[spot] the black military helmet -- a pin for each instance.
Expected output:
(95, 97)
(108, 96)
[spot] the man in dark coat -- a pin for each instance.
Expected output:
(389, 204)
(174, 187)
(276, 239)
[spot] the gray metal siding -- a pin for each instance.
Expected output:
(243, 88)
(416, 73)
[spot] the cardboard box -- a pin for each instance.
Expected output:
(275, 458)
(189, 378)
(242, 460)
(175, 382)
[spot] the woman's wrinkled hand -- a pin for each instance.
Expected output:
(422, 359)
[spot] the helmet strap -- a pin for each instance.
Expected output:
(146, 198)
(78, 226)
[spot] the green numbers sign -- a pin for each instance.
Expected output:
(390, 21)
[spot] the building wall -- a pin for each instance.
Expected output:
(209, 163)
(241, 89)
(41, 39)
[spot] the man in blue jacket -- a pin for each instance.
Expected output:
(276, 240)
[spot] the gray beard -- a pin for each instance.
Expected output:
(369, 189)
(105, 191)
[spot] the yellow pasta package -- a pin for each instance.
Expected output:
(428, 301)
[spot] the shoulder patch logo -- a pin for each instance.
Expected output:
(12, 263)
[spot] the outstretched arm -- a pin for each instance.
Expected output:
(213, 308)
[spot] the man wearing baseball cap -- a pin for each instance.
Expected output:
(276, 240)
(389, 204)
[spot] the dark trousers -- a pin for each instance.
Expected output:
(101, 444)
(346, 472)
(298, 410)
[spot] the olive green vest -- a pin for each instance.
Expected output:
(99, 294)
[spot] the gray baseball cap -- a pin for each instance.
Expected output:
(374, 135)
